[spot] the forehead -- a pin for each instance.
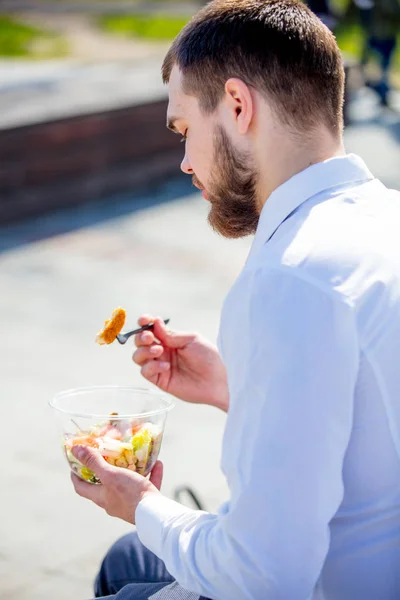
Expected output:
(179, 104)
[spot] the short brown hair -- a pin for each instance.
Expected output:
(278, 47)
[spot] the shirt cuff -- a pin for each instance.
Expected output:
(153, 513)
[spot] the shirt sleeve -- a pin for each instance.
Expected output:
(288, 428)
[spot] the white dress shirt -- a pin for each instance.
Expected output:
(310, 336)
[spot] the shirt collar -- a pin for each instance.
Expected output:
(331, 173)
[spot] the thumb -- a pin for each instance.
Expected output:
(169, 338)
(157, 474)
(92, 459)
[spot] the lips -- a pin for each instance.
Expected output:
(200, 187)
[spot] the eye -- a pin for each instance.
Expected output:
(184, 137)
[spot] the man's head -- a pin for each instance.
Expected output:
(250, 81)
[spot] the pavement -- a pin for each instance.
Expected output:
(60, 277)
(374, 134)
(54, 295)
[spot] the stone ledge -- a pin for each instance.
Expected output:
(71, 161)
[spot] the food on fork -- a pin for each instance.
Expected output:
(112, 327)
(124, 443)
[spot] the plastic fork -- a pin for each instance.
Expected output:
(124, 337)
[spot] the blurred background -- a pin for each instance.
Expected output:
(93, 215)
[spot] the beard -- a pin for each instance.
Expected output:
(234, 209)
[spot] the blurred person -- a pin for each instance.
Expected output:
(323, 10)
(306, 366)
(381, 24)
(365, 9)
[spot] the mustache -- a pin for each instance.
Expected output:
(197, 183)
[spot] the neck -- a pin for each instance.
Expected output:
(287, 157)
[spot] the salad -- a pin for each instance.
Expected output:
(123, 443)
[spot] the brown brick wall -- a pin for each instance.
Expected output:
(68, 162)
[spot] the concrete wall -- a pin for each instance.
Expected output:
(67, 162)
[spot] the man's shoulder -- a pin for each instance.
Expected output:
(332, 241)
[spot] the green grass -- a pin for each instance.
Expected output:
(18, 39)
(350, 38)
(340, 5)
(154, 27)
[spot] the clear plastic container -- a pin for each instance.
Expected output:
(124, 423)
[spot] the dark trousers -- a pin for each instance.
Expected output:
(385, 47)
(131, 572)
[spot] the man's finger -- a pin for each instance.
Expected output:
(146, 338)
(157, 474)
(88, 490)
(169, 338)
(93, 460)
(154, 367)
(145, 320)
(142, 355)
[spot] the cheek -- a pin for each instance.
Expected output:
(200, 159)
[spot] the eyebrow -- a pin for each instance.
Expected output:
(171, 124)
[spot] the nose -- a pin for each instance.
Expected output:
(186, 166)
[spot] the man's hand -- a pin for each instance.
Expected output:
(182, 364)
(121, 489)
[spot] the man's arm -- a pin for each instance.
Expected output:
(288, 428)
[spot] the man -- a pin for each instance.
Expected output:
(309, 334)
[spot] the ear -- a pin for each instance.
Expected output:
(240, 103)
